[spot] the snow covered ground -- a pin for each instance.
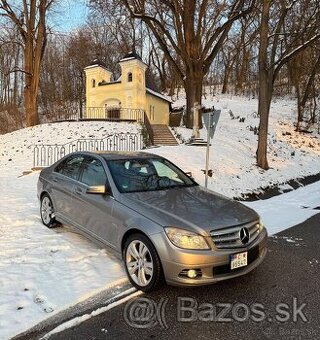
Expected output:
(44, 271)
(232, 156)
(284, 211)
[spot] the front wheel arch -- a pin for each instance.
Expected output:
(128, 233)
(44, 193)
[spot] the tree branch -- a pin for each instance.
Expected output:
(12, 15)
(292, 54)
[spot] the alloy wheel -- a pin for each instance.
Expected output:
(139, 263)
(46, 210)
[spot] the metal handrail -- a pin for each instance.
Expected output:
(47, 154)
(114, 113)
(96, 113)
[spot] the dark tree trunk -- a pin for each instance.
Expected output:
(163, 76)
(227, 71)
(31, 104)
(31, 86)
(31, 24)
(300, 108)
(173, 83)
(265, 89)
(265, 96)
(307, 93)
(193, 88)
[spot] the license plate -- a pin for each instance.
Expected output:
(239, 260)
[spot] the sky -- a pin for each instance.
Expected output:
(68, 15)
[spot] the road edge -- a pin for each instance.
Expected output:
(114, 292)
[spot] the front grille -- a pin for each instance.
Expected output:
(230, 237)
(253, 254)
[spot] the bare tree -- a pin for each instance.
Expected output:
(285, 31)
(113, 28)
(303, 70)
(29, 16)
(191, 34)
(229, 59)
(10, 53)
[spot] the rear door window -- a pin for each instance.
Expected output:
(70, 167)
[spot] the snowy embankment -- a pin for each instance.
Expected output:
(232, 156)
(284, 211)
(43, 271)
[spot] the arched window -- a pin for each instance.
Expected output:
(130, 77)
(93, 81)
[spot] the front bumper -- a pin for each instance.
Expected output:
(214, 264)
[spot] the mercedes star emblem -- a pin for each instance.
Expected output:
(244, 235)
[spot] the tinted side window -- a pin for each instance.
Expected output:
(70, 167)
(93, 173)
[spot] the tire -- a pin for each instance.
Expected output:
(47, 212)
(142, 263)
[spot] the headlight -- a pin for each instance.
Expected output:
(261, 225)
(186, 239)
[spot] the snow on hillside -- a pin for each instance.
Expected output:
(232, 157)
(44, 271)
(16, 147)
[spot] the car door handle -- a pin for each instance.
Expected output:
(55, 180)
(78, 191)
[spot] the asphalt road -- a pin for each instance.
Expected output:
(279, 300)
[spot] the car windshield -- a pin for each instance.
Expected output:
(135, 175)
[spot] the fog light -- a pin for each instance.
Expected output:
(192, 273)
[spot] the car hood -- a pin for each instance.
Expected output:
(193, 208)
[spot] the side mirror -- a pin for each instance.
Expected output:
(98, 189)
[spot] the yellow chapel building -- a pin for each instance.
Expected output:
(127, 97)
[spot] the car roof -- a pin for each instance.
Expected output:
(117, 155)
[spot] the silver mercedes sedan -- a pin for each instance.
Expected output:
(162, 224)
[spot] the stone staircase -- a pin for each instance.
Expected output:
(162, 135)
